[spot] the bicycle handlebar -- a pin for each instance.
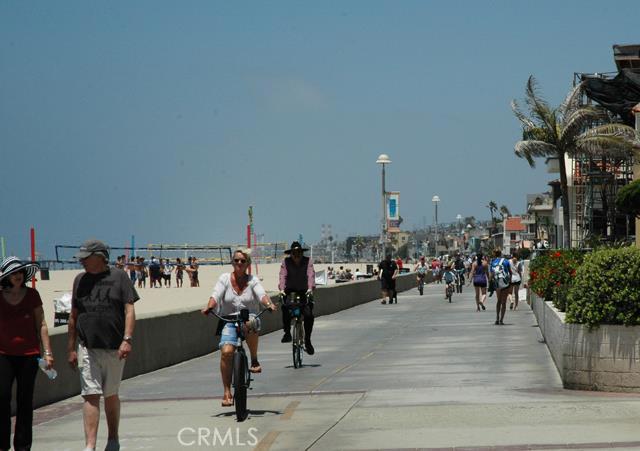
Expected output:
(236, 318)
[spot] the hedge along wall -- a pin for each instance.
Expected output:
(606, 359)
(165, 339)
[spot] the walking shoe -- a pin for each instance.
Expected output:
(497, 322)
(112, 445)
(308, 347)
(511, 306)
(383, 302)
(501, 323)
(286, 338)
(483, 307)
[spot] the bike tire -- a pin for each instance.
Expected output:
(294, 342)
(240, 377)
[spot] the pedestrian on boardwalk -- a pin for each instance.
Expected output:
(516, 279)
(232, 293)
(297, 275)
(500, 272)
(387, 276)
(23, 334)
(100, 337)
(480, 278)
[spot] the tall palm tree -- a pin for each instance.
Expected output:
(504, 212)
(568, 130)
(493, 208)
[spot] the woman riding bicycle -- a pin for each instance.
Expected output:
(233, 292)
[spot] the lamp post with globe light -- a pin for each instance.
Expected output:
(383, 159)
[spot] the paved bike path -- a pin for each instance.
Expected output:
(420, 374)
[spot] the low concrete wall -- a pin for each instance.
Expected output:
(606, 359)
(180, 335)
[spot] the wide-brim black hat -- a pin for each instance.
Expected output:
(12, 265)
(295, 246)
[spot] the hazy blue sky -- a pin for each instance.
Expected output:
(168, 119)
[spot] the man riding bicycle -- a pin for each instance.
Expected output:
(297, 276)
(459, 267)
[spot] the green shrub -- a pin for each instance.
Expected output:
(551, 274)
(606, 289)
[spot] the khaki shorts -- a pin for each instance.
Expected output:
(100, 371)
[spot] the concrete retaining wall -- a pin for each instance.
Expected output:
(606, 359)
(180, 335)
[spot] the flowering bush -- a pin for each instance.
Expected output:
(606, 289)
(551, 274)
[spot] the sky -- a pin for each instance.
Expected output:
(167, 119)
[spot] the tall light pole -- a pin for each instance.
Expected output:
(435, 200)
(383, 159)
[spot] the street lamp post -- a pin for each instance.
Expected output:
(383, 159)
(435, 200)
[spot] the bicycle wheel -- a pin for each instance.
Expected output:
(240, 385)
(296, 348)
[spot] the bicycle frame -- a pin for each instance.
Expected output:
(240, 372)
(295, 302)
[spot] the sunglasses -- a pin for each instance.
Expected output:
(239, 260)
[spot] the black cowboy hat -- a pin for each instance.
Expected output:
(294, 247)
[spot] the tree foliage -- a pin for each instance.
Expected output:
(628, 199)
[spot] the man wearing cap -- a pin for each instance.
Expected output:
(297, 275)
(103, 318)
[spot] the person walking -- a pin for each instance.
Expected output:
(23, 334)
(297, 275)
(501, 275)
(480, 278)
(516, 279)
(387, 276)
(100, 337)
(232, 293)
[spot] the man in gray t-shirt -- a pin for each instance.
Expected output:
(103, 318)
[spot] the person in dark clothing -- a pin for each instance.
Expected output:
(388, 273)
(297, 275)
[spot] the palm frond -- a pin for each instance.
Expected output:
(572, 101)
(599, 145)
(579, 120)
(531, 149)
(613, 130)
(526, 122)
(538, 106)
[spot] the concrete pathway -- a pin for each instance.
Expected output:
(420, 374)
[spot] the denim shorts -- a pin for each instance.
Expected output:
(229, 335)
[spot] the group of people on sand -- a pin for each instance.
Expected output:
(159, 271)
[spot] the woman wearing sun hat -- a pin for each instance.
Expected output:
(23, 330)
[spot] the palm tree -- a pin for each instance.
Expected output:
(568, 131)
(504, 212)
(493, 208)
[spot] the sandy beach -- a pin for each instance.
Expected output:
(153, 300)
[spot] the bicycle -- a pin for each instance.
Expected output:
(295, 302)
(241, 377)
(421, 284)
(450, 290)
